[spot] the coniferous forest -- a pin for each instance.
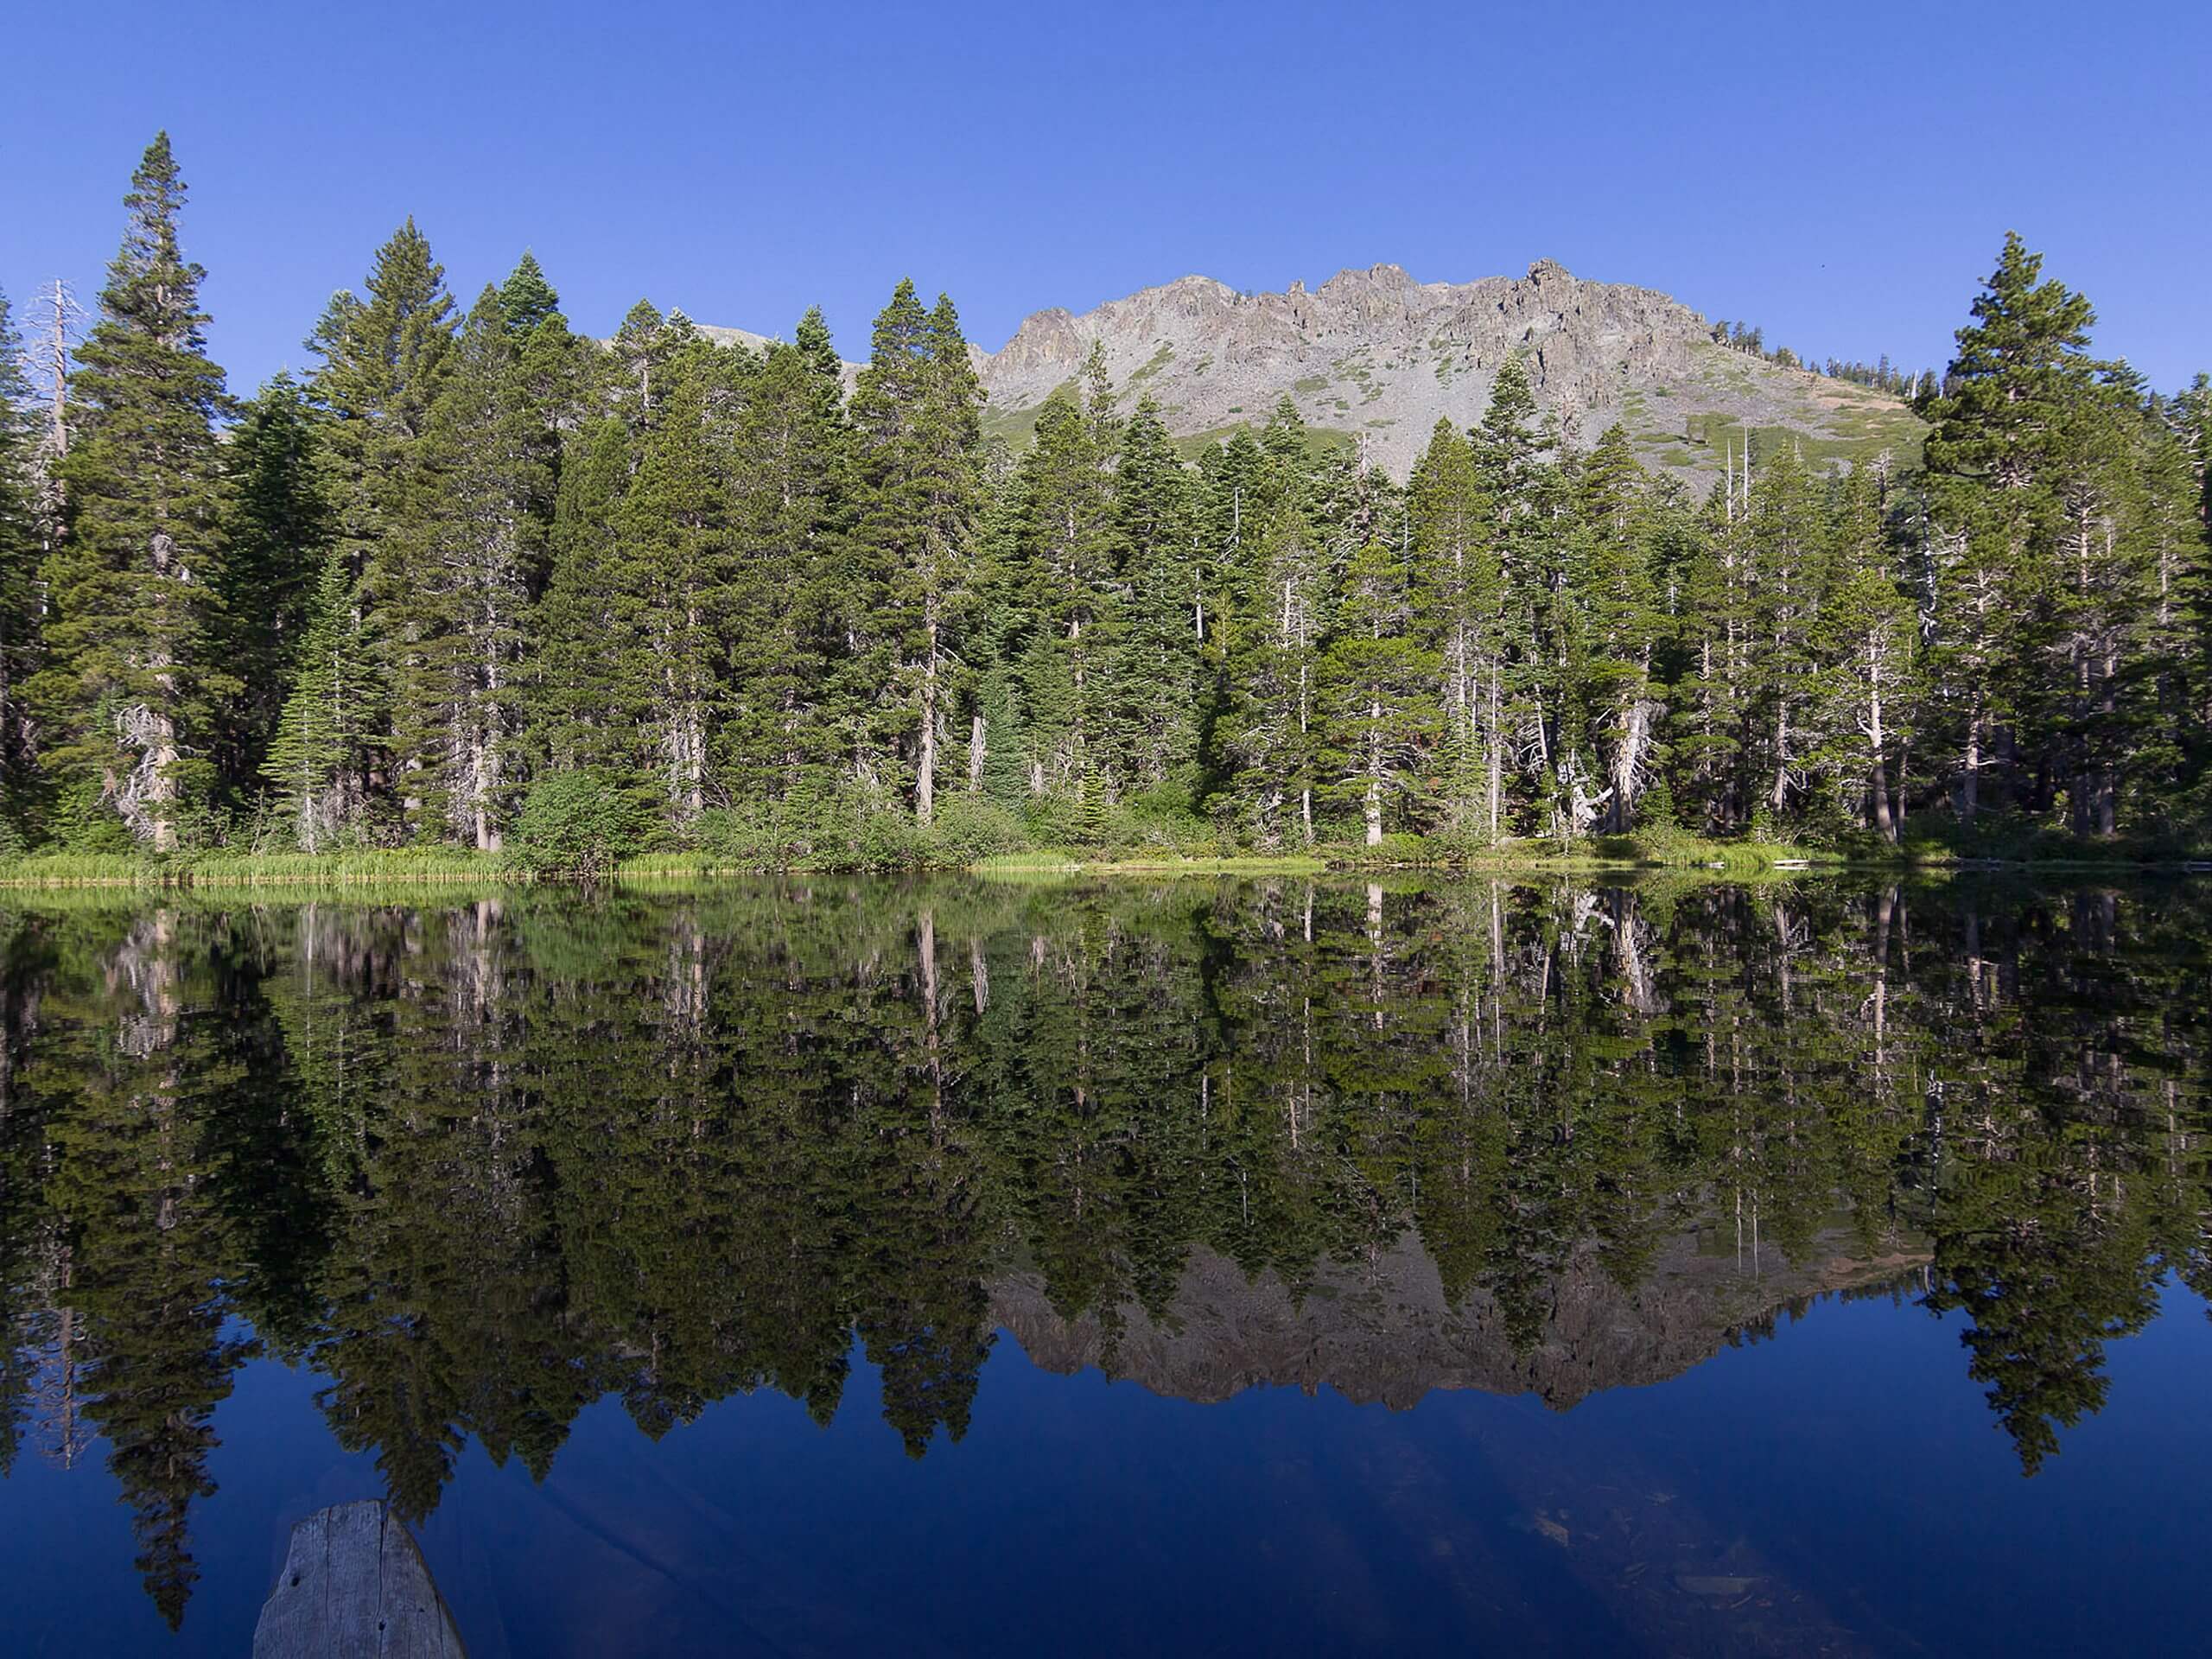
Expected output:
(479, 581)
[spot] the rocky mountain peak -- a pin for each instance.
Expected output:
(1375, 358)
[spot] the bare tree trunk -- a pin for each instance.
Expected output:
(1375, 951)
(1375, 773)
(63, 311)
(1459, 697)
(1628, 763)
(1884, 821)
(1497, 754)
(486, 785)
(161, 789)
(2108, 812)
(1305, 791)
(925, 949)
(1970, 784)
(926, 772)
(1780, 794)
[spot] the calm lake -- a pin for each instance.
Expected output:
(830, 1266)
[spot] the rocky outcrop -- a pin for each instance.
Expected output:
(1379, 357)
(1382, 1331)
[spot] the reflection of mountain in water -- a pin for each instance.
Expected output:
(1382, 1330)
(477, 1165)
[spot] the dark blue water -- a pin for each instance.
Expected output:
(1945, 1394)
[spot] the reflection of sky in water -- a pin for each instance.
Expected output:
(1844, 1467)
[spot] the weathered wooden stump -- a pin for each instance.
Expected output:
(354, 1586)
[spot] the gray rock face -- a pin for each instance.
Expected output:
(1373, 359)
(1383, 1330)
(1378, 357)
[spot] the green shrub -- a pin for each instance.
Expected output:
(581, 822)
(1399, 847)
(1056, 820)
(84, 822)
(1161, 820)
(970, 828)
(757, 836)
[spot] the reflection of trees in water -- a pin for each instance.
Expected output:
(128, 1090)
(481, 1164)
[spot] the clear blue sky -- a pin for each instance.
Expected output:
(1841, 174)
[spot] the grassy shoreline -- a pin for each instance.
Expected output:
(447, 867)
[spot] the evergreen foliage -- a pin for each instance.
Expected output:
(133, 685)
(278, 535)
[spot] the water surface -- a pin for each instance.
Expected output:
(825, 1266)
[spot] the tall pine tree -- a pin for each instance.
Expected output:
(918, 432)
(132, 673)
(791, 482)
(384, 359)
(1461, 591)
(277, 531)
(1376, 692)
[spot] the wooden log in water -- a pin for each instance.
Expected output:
(354, 1586)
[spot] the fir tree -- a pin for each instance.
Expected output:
(1996, 462)
(1784, 580)
(1461, 592)
(582, 708)
(1376, 690)
(316, 766)
(791, 479)
(1000, 764)
(526, 298)
(1515, 461)
(455, 584)
(1867, 642)
(644, 348)
(673, 572)
(1287, 478)
(1710, 645)
(132, 674)
(1621, 622)
(1069, 540)
(384, 359)
(918, 490)
(1230, 514)
(275, 533)
(1154, 712)
(1267, 730)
